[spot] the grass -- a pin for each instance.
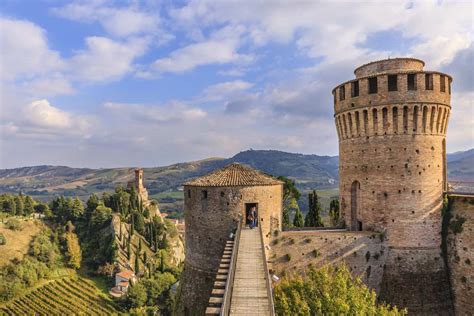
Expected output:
(17, 241)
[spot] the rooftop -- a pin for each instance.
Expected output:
(234, 174)
(126, 274)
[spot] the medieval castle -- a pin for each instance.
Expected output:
(391, 121)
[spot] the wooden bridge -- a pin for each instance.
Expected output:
(242, 285)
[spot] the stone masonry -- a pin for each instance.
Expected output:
(391, 123)
(213, 205)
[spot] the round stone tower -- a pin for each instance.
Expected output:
(213, 204)
(391, 122)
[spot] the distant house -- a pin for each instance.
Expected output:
(122, 282)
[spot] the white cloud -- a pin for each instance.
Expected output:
(171, 113)
(24, 51)
(106, 59)
(225, 90)
(42, 114)
(118, 21)
(200, 54)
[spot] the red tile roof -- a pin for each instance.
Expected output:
(234, 175)
(126, 274)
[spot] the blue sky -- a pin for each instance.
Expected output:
(149, 83)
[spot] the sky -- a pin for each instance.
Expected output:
(150, 83)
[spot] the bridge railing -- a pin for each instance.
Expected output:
(268, 281)
(225, 308)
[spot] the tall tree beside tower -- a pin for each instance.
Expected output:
(313, 218)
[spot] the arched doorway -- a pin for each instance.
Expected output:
(356, 224)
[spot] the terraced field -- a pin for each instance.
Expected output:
(66, 296)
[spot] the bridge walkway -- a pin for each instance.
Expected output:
(250, 295)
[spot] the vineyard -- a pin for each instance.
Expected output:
(61, 297)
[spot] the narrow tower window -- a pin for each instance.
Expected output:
(204, 194)
(423, 120)
(375, 120)
(349, 116)
(395, 119)
(392, 83)
(432, 118)
(411, 81)
(366, 122)
(372, 85)
(342, 93)
(429, 81)
(442, 83)
(415, 119)
(385, 119)
(357, 123)
(405, 119)
(355, 89)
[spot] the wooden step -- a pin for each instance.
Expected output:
(218, 292)
(219, 285)
(223, 271)
(213, 311)
(224, 266)
(221, 277)
(225, 256)
(216, 300)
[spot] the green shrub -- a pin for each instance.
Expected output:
(456, 224)
(14, 224)
(328, 291)
(315, 253)
(288, 257)
(3, 240)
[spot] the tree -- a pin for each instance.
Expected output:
(313, 218)
(9, 205)
(129, 250)
(137, 295)
(328, 291)
(91, 205)
(19, 205)
(139, 222)
(334, 213)
(42, 209)
(145, 258)
(298, 220)
(290, 195)
(77, 209)
(132, 226)
(137, 262)
(139, 244)
(73, 252)
(29, 205)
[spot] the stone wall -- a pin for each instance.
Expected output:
(460, 250)
(363, 252)
(211, 214)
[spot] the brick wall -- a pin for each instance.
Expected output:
(461, 254)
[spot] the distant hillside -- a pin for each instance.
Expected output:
(309, 171)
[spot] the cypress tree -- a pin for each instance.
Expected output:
(132, 225)
(334, 213)
(137, 262)
(286, 218)
(298, 220)
(313, 218)
(139, 244)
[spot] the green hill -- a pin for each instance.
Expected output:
(309, 172)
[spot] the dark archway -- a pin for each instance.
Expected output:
(356, 224)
